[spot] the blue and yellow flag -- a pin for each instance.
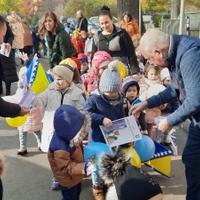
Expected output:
(36, 76)
(161, 161)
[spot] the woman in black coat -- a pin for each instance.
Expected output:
(8, 71)
(115, 41)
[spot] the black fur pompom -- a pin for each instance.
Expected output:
(112, 166)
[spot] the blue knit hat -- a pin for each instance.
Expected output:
(68, 122)
(127, 82)
(110, 80)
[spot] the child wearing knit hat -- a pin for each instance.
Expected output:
(65, 152)
(99, 62)
(71, 62)
(61, 91)
(103, 109)
(131, 90)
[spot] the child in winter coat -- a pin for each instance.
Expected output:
(65, 153)
(131, 90)
(152, 76)
(103, 109)
(91, 78)
(20, 92)
(61, 91)
(125, 181)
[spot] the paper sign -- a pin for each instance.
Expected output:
(27, 99)
(4, 50)
(124, 130)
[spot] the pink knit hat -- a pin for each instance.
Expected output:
(99, 58)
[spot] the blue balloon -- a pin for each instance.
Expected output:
(145, 148)
(95, 149)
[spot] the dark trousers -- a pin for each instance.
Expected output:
(191, 159)
(8, 87)
(71, 193)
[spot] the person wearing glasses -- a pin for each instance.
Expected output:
(181, 54)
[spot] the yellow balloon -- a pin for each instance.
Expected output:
(16, 121)
(134, 157)
(123, 72)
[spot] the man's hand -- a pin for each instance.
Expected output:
(164, 126)
(137, 108)
(24, 111)
(107, 122)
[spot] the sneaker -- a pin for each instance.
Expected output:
(55, 185)
(22, 152)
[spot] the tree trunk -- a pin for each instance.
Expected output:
(128, 5)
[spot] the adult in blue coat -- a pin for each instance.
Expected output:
(182, 56)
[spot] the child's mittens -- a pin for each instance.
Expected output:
(107, 122)
(34, 120)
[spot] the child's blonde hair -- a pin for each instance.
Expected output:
(148, 67)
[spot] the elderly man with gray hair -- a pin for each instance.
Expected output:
(181, 54)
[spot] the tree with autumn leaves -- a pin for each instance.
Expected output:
(26, 8)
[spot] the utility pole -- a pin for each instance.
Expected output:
(174, 9)
(182, 11)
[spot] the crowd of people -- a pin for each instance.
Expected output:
(99, 77)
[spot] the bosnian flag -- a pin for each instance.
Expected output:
(36, 76)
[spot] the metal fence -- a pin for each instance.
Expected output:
(191, 25)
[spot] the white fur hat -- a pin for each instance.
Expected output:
(164, 73)
(154, 90)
